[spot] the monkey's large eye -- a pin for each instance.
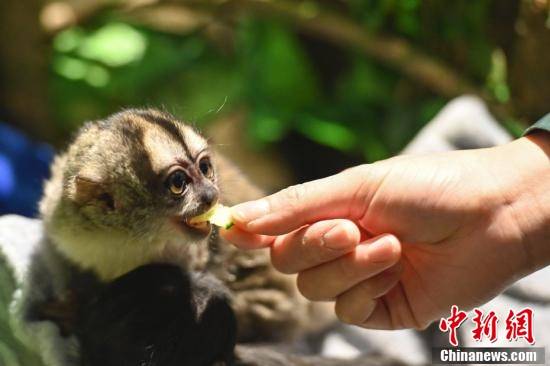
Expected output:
(205, 167)
(176, 182)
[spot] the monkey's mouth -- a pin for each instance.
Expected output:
(196, 228)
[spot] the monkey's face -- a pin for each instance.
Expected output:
(133, 181)
(188, 189)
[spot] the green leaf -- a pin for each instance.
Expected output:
(206, 89)
(329, 133)
(276, 69)
(365, 82)
(513, 126)
(374, 149)
(68, 40)
(264, 128)
(71, 67)
(496, 80)
(114, 44)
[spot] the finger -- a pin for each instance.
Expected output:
(356, 305)
(245, 240)
(393, 311)
(312, 245)
(302, 204)
(327, 281)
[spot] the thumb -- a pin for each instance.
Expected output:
(337, 196)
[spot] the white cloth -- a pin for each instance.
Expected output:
(24, 343)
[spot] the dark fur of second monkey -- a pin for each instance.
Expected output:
(158, 315)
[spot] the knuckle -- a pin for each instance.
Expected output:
(297, 192)
(293, 196)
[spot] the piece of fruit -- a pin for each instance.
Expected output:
(218, 215)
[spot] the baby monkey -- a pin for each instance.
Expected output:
(123, 193)
(121, 197)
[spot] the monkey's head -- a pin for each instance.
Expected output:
(124, 191)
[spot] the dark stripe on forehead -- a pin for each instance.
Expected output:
(169, 126)
(141, 161)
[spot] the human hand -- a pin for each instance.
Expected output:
(469, 223)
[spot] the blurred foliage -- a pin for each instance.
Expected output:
(287, 82)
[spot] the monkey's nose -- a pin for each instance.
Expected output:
(209, 195)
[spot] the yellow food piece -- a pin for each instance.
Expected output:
(218, 215)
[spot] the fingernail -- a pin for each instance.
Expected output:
(249, 211)
(382, 250)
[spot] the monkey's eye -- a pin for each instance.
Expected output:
(205, 167)
(176, 182)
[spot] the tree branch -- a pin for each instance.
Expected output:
(395, 52)
(336, 29)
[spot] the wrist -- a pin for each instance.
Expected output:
(526, 194)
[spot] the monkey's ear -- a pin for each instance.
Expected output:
(92, 191)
